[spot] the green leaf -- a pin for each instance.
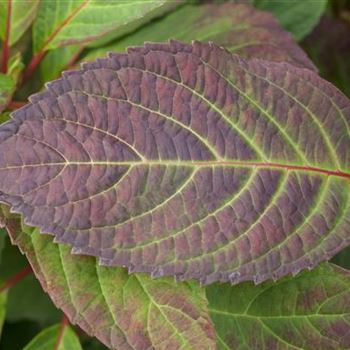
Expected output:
(57, 60)
(3, 297)
(310, 311)
(20, 14)
(64, 339)
(80, 21)
(240, 28)
(121, 310)
(7, 85)
(298, 17)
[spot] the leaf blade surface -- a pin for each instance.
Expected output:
(185, 160)
(309, 311)
(123, 311)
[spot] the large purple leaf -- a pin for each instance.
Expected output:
(184, 160)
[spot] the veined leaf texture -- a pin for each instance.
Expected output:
(185, 160)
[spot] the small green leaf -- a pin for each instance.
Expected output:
(20, 14)
(7, 85)
(80, 21)
(123, 311)
(298, 17)
(53, 336)
(310, 311)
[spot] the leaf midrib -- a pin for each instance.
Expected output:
(195, 164)
(296, 316)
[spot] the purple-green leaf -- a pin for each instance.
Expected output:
(123, 311)
(185, 160)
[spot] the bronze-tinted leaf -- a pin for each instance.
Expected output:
(185, 160)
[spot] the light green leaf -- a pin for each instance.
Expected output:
(21, 16)
(123, 311)
(240, 28)
(298, 17)
(310, 311)
(49, 338)
(61, 23)
(7, 85)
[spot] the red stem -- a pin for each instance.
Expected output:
(5, 45)
(15, 105)
(64, 324)
(9, 283)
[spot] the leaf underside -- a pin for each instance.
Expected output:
(185, 160)
(124, 312)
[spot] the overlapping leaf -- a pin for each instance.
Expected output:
(310, 311)
(123, 311)
(15, 18)
(80, 21)
(239, 28)
(184, 160)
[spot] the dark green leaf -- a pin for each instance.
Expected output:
(35, 305)
(2, 242)
(3, 297)
(307, 312)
